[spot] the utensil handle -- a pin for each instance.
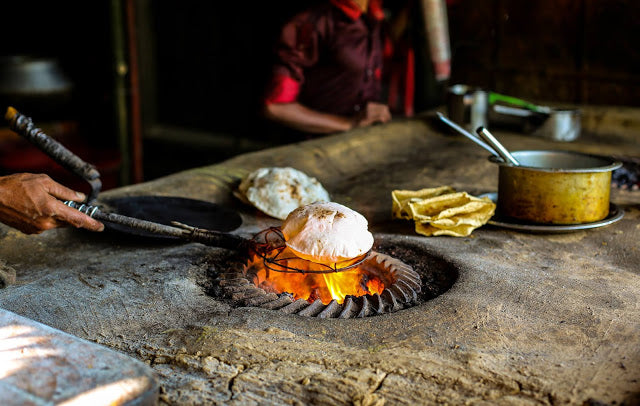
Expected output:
(491, 140)
(513, 111)
(467, 134)
(494, 97)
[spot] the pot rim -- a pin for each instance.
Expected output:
(608, 164)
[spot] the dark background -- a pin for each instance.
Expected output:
(202, 67)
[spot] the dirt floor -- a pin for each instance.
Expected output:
(532, 318)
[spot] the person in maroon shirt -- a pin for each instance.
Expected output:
(328, 75)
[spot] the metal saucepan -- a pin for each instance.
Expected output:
(473, 107)
(557, 124)
(555, 187)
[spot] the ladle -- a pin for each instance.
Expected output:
(467, 134)
(497, 146)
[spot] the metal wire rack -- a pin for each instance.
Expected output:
(269, 244)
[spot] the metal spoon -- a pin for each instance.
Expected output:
(467, 134)
(502, 151)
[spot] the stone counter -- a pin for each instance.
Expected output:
(532, 318)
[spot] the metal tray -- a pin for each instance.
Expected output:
(615, 215)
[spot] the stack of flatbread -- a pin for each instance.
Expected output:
(442, 210)
(327, 233)
(278, 191)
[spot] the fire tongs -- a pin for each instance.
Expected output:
(24, 127)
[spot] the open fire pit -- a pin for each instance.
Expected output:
(279, 280)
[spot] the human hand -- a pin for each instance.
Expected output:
(373, 113)
(32, 203)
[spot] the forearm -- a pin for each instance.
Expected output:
(302, 118)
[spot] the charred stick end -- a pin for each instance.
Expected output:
(24, 127)
(11, 114)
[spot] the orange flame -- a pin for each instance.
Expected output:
(313, 286)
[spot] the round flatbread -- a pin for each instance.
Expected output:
(278, 191)
(327, 233)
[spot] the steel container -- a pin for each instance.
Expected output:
(467, 106)
(555, 187)
(561, 125)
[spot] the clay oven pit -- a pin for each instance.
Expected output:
(499, 317)
(376, 284)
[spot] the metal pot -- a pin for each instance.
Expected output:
(555, 187)
(557, 124)
(36, 85)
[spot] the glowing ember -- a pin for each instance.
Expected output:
(311, 286)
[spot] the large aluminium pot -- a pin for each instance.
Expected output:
(555, 187)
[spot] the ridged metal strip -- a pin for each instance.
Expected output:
(332, 310)
(295, 307)
(313, 309)
(349, 308)
(259, 300)
(403, 293)
(281, 301)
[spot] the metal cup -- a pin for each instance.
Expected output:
(467, 106)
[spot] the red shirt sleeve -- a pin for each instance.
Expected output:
(282, 89)
(297, 49)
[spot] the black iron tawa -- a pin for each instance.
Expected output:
(168, 209)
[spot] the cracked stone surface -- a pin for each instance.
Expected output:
(531, 319)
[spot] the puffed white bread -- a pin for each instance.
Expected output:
(277, 191)
(327, 232)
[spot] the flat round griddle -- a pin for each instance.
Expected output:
(165, 209)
